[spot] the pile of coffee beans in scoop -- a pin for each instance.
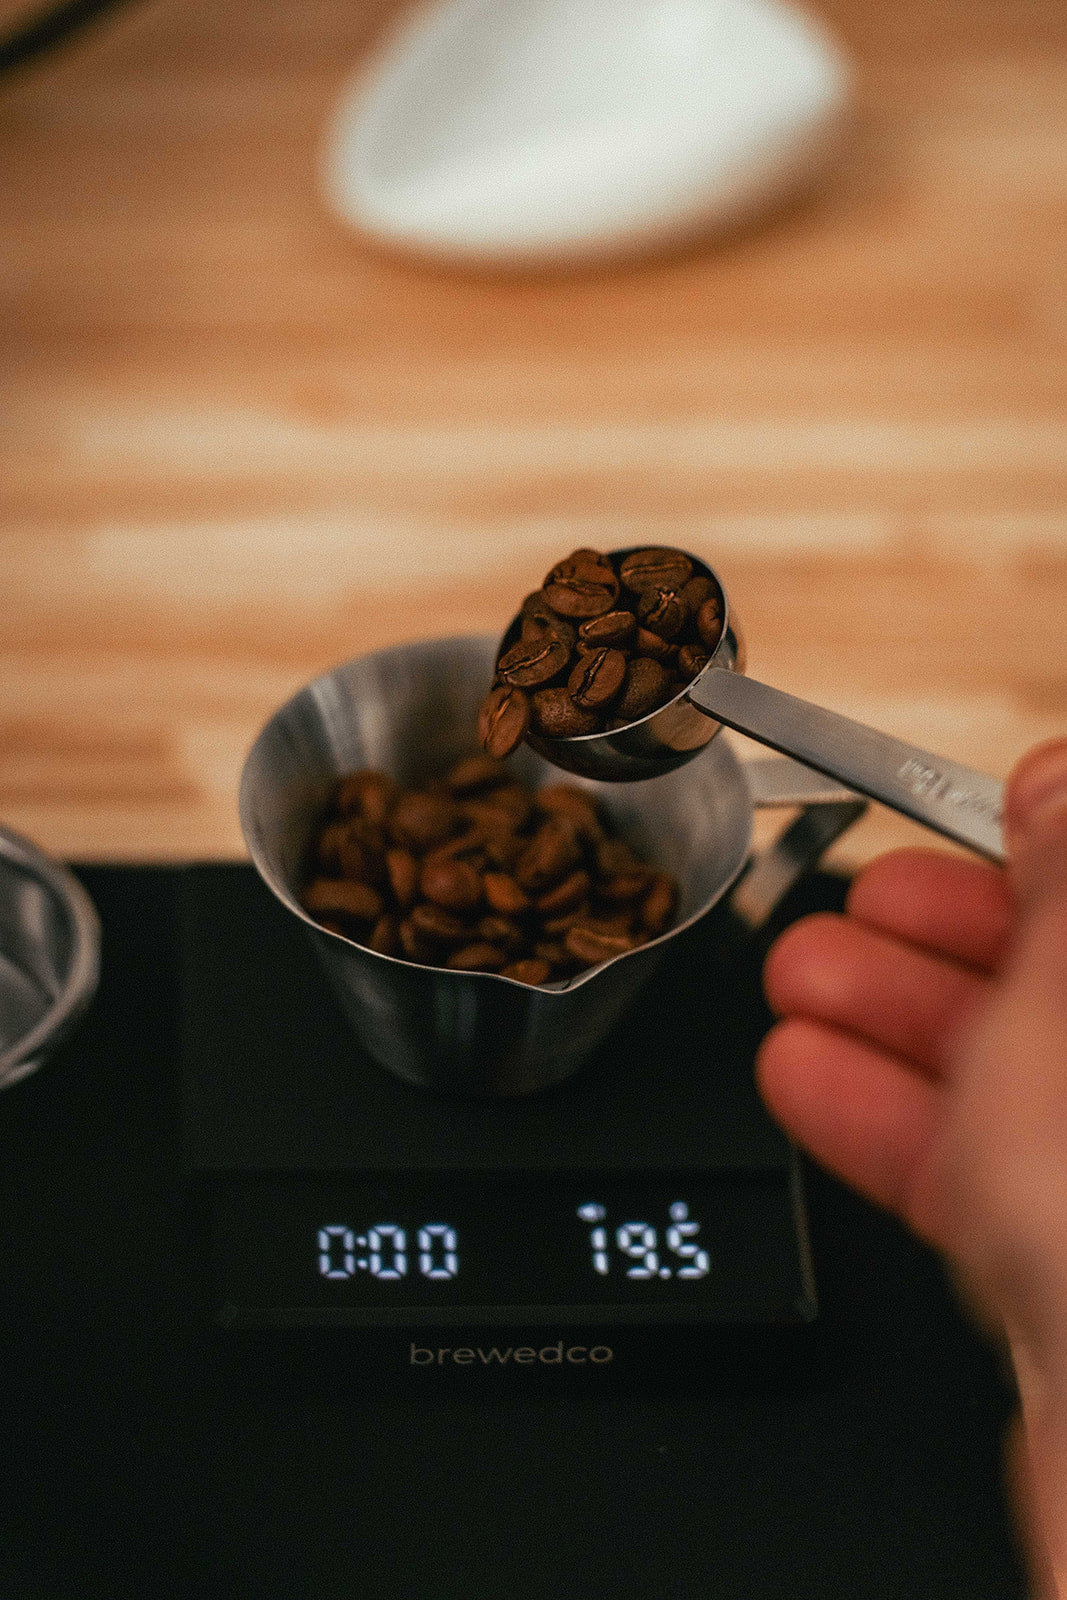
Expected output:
(604, 641)
(478, 873)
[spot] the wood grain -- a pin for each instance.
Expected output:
(239, 444)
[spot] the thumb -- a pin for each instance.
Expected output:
(1004, 1157)
(1027, 1030)
(1035, 824)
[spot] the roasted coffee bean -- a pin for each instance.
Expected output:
(537, 617)
(551, 854)
(597, 679)
(661, 611)
(614, 856)
(515, 877)
(657, 568)
(613, 628)
(467, 845)
(618, 919)
(709, 621)
(567, 800)
(695, 592)
(509, 804)
(584, 584)
(530, 970)
(436, 923)
(486, 819)
(342, 897)
(652, 644)
(554, 713)
(403, 872)
(328, 848)
(645, 688)
(483, 859)
(578, 597)
(556, 927)
(590, 944)
(570, 892)
(369, 792)
(420, 820)
(503, 720)
(385, 938)
(691, 660)
(352, 847)
(371, 834)
(657, 908)
(414, 944)
(475, 774)
(501, 931)
(624, 886)
(503, 894)
(503, 849)
(452, 884)
(365, 862)
(477, 957)
(559, 958)
(533, 662)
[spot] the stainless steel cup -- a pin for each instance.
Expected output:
(412, 711)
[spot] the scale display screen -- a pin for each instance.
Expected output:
(468, 1247)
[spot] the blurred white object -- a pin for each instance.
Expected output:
(530, 133)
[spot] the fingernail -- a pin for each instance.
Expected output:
(1038, 785)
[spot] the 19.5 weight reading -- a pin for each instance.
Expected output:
(390, 1252)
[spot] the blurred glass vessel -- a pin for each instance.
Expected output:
(49, 955)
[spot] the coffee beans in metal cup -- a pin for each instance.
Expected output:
(479, 873)
(605, 641)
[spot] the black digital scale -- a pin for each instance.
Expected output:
(622, 1217)
(193, 1404)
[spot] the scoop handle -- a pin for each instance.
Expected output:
(952, 800)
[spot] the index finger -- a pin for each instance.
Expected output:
(945, 904)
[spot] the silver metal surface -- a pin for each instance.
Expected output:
(412, 711)
(772, 875)
(778, 781)
(953, 800)
(49, 955)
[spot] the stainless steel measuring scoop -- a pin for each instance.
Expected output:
(953, 800)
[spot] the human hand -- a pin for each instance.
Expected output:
(922, 1057)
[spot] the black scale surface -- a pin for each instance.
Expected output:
(150, 1454)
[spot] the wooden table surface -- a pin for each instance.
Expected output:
(239, 445)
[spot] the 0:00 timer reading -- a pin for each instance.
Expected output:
(384, 1252)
